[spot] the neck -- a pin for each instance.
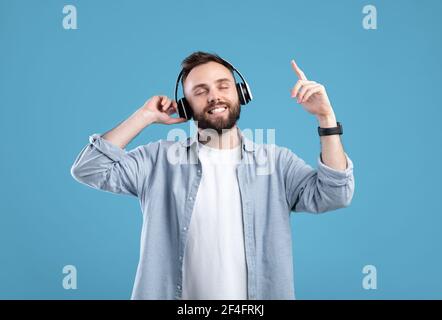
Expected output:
(228, 139)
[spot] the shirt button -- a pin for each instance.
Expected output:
(181, 258)
(199, 171)
(185, 228)
(190, 198)
(179, 287)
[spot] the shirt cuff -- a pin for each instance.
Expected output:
(112, 151)
(333, 176)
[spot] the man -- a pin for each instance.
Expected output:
(217, 228)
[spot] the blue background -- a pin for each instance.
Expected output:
(59, 86)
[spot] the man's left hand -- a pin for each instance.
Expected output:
(311, 95)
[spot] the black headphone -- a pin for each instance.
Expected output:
(244, 94)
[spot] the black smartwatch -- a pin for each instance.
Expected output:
(330, 131)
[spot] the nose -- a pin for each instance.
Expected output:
(213, 96)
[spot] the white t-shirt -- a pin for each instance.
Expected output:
(214, 265)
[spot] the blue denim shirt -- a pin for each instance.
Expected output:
(165, 176)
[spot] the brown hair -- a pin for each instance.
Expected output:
(199, 57)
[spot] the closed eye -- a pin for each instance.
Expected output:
(204, 91)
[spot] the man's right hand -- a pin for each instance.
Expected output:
(157, 109)
(160, 109)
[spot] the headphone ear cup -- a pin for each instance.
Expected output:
(243, 93)
(240, 94)
(184, 109)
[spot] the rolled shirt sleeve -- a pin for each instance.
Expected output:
(320, 190)
(105, 166)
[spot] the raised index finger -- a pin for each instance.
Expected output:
(298, 71)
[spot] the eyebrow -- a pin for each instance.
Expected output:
(205, 85)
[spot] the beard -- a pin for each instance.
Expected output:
(218, 123)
